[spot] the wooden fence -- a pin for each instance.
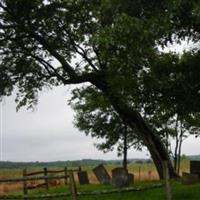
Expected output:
(68, 177)
(46, 176)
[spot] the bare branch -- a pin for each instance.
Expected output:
(54, 53)
(84, 55)
(48, 66)
(81, 51)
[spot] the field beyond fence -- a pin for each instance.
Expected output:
(141, 171)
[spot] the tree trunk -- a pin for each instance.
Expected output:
(133, 118)
(149, 138)
(125, 148)
(154, 144)
(176, 145)
(180, 147)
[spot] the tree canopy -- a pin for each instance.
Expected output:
(114, 46)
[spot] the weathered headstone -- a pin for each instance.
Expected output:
(83, 177)
(188, 178)
(101, 174)
(130, 178)
(120, 177)
(195, 167)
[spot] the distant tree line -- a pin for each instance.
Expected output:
(75, 163)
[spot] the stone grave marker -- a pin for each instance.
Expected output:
(120, 177)
(195, 167)
(101, 174)
(188, 178)
(83, 177)
(130, 178)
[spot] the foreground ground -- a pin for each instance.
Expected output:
(180, 191)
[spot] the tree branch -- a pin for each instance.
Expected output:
(54, 53)
(82, 52)
(73, 77)
(102, 65)
(47, 66)
(44, 43)
(89, 77)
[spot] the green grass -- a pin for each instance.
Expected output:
(179, 192)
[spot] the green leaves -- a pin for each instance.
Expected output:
(96, 117)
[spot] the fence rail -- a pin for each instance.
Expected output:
(100, 192)
(31, 178)
(52, 171)
(43, 196)
(34, 173)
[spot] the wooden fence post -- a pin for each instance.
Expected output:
(45, 179)
(167, 181)
(139, 174)
(25, 184)
(72, 186)
(149, 174)
(66, 175)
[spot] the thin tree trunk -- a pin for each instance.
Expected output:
(125, 148)
(179, 148)
(167, 140)
(176, 146)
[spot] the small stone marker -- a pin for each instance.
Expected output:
(130, 178)
(120, 177)
(188, 178)
(195, 167)
(101, 174)
(83, 177)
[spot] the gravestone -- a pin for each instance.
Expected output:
(195, 167)
(120, 177)
(101, 174)
(130, 178)
(188, 178)
(83, 177)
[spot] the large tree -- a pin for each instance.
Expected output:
(115, 43)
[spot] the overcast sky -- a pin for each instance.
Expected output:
(48, 134)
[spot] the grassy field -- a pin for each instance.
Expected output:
(179, 192)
